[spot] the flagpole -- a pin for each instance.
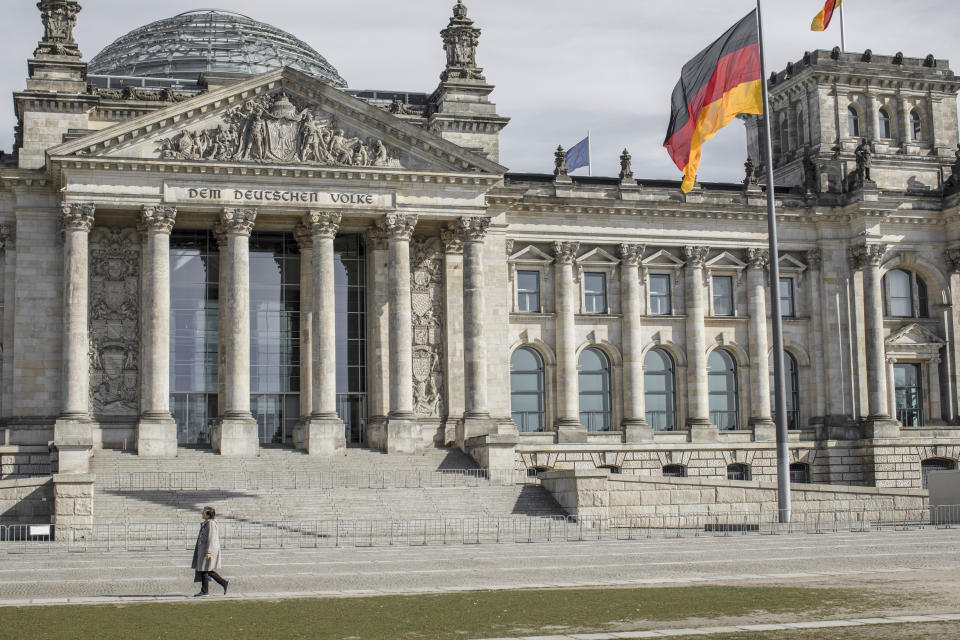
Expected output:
(589, 155)
(843, 44)
(780, 395)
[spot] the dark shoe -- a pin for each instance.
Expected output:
(226, 584)
(202, 593)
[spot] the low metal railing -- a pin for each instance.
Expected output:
(312, 534)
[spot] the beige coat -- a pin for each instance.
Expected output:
(208, 541)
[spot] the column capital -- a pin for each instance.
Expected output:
(565, 252)
(399, 226)
(630, 254)
(452, 238)
(377, 236)
(758, 258)
(237, 221)
(695, 256)
(866, 255)
(473, 228)
(322, 224)
(815, 259)
(7, 236)
(77, 216)
(158, 218)
(301, 233)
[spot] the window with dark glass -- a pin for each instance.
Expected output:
(722, 384)
(526, 389)
(791, 379)
(595, 292)
(528, 291)
(904, 294)
(738, 472)
(916, 127)
(931, 465)
(801, 129)
(659, 391)
(786, 298)
(800, 472)
(722, 295)
(853, 123)
(674, 471)
(595, 396)
(909, 393)
(885, 128)
(784, 135)
(350, 287)
(660, 295)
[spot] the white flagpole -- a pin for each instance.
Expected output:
(780, 395)
(843, 44)
(589, 155)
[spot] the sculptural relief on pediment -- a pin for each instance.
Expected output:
(278, 128)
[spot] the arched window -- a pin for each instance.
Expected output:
(916, 127)
(793, 390)
(853, 123)
(595, 400)
(738, 472)
(885, 128)
(935, 464)
(799, 472)
(659, 390)
(905, 294)
(722, 382)
(674, 471)
(784, 134)
(526, 389)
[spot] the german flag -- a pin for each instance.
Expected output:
(717, 84)
(822, 21)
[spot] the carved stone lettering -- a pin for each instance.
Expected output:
(426, 291)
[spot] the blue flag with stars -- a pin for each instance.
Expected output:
(579, 155)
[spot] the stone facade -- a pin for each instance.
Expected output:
(466, 264)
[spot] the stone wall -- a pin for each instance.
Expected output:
(73, 499)
(26, 500)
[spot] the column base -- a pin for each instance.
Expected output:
(404, 436)
(474, 426)
(702, 430)
(157, 436)
(838, 427)
(324, 436)
(73, 440)
(237, 436)
(376, 433)
(880, 427)
(571, 432)
(637, 431)
(494, 452)
(298, 430)
(763, 430)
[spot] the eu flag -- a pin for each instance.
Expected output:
(579, 155)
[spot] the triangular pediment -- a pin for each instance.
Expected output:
(662, 258)
(913, 334)
(789, 263)
(531, 254)
(284, 118)
(598, 257)
(725, 260)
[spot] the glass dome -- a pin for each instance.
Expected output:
(209, 41)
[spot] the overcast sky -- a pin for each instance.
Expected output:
(561, 67)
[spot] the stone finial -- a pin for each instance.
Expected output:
(473, 228)
(749, 174)
(929, 61)
(630, 254)
(867, 56)
(460, 41)
(695, 256)
(452, 238)
(835, 53)
(237, 221)
(77, 216)
(322, 224)
(814, 259)
(59, 18)
(565, 252)
(399, 226)
(559, 162)
(952, 185)
(626, 171)
(758, 258)
(866, 255)
(898, 58)
(159, 218)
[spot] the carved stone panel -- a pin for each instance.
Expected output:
(114, 318)
(426, 291)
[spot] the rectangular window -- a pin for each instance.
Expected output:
(786, 297)
(528, 291)
(595, 292)
(660, 295)
(722, 295)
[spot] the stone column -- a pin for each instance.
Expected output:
(223, 323)
(878, 423)
(936, 413)
(818, 406)
(156, 430)
(378, 335)
(324, 433)
(760, 416)
(301, 234)
(874, 114)
(72, 433)
(904, 121)
(892, 388)
(238, 433)
(8, 240)
(568, 427)
(404, 433)
(952, 325)
(635, 427)
(453, 326)
(698, 400)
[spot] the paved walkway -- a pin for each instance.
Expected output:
(842, 558)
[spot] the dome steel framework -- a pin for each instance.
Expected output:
(209, 41)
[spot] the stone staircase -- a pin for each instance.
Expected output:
(286, 485)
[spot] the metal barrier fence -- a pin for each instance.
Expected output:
(295, 480)
(312, 534)
(13, 470)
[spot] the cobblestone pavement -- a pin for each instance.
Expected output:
(928, 556)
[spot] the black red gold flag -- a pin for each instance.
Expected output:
(720, 82)
(822, 19)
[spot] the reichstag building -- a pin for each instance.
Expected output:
(210, 240)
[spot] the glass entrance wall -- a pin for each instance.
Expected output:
(909, 394)
(350, 284)
(274, 335)
(194, 277)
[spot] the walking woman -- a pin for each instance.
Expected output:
(206, 555)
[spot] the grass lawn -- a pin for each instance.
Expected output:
(919, 631)
(442, 616)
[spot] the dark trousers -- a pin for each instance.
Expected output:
(205, 580)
